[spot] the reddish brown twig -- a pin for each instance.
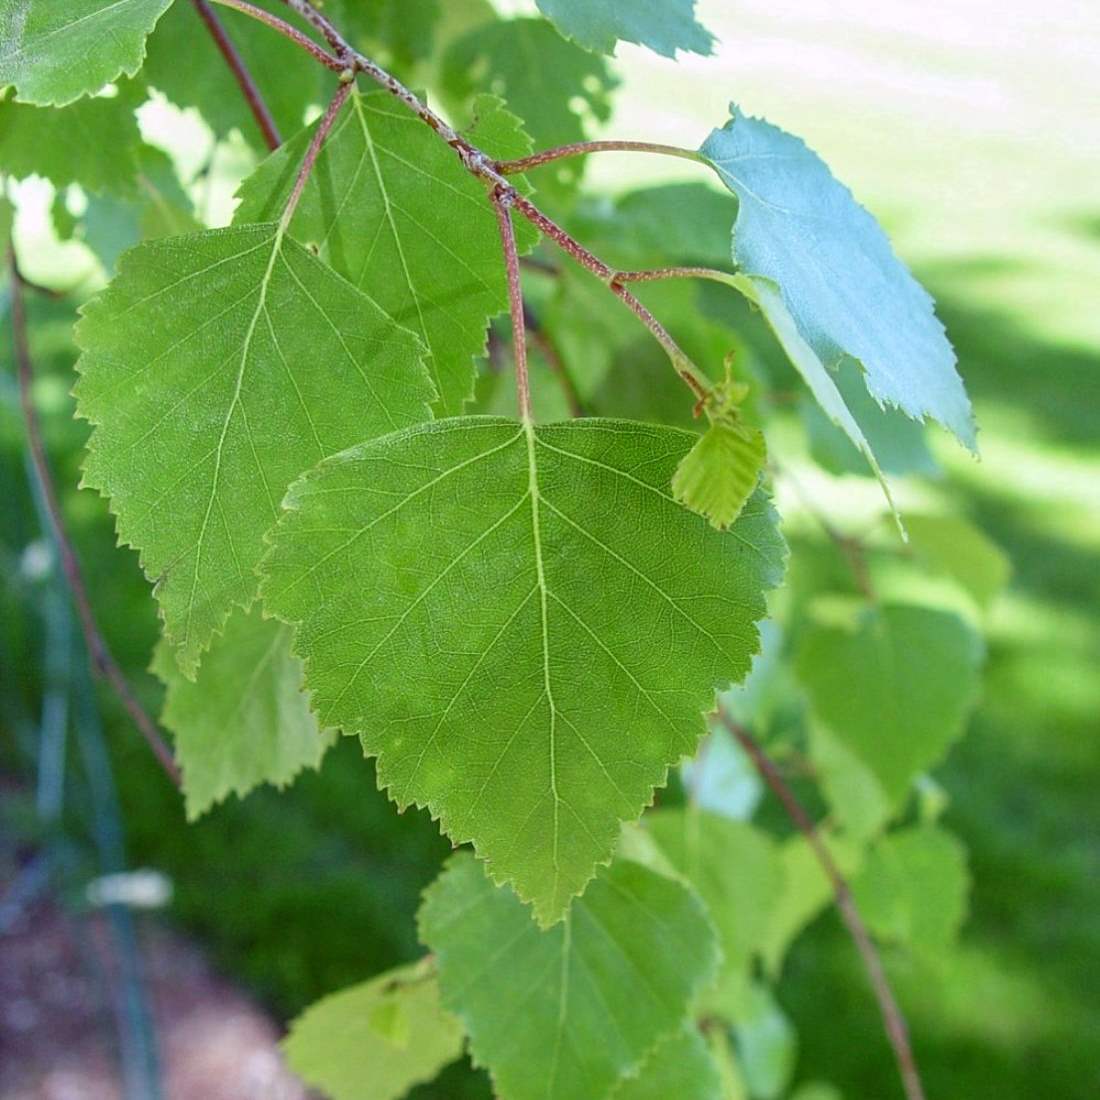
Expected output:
(314, 150)
(502, 209)
(239, 68)
(892, 1017)
(103, 662)
(583, 148)
(286, 30)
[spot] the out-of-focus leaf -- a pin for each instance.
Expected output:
(665, 26)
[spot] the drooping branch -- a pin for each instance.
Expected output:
(481, 165)
(314, 150)
(583, 148)
(502, 209)
(286, 30)
(893, 1019)
(239, 68)
(99, 654)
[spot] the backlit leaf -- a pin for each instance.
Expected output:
(717, 476)
(679, 1066)
(376, 1039)
(217, 367)
(522, 623)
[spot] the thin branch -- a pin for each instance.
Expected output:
(892, 1017)
(479, 164)
(549, 350)
(99, 654)
(237, 65)
(696, 381)
(501, 207)
(314, 150)
(653, 274)
(583, 148)
(286, 30)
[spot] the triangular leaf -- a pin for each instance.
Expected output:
(55, 52)
(665, 26)
(522, 623)
(895, 687)
(217, 367)
(633, 951)
(245, 720)
(717, 476)
(376, 1039)
(391, 208)
(838, 276)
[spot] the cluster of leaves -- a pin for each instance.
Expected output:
(304, 422)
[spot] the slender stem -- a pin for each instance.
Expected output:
(99, 654)
(237, 65)
(501, 207)
(479, 164)
(286, 30)
(656, 273)
(314, 150)
(549, 349)
(696, 381)
(892, 1017)
(582, 148)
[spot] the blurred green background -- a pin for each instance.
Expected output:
(973, 131)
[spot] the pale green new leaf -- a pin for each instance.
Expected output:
(376, 1039)
(766, 1045)
(913, 888)
(679, 1066)
(245, 720)
(522, 623)
(217, 367)
(7, 221)
(735, 868)
(717, 476)
(895, 687)
(954, 546)
(564, 1013)
(55, 51)
(838, 276)
(391, 208)
(806, 890)
(665, 26)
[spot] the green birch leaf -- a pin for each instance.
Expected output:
(56, 52)
(391, 208)
(806, 891)
(216, 368)
(857, 800)
(185, 64)
(245, 720)
(378, 1038)
(665, 26)
(718, 475)
(7, 221)
(954, 546)
(848, 294)
(91, 142)
(913, 888)
(734, 867)
(679, 1066)
(633, 950)
(557, 88)
(895, 687)
(523, 625)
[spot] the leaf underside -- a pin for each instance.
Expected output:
(522, 624)
(665, 26)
